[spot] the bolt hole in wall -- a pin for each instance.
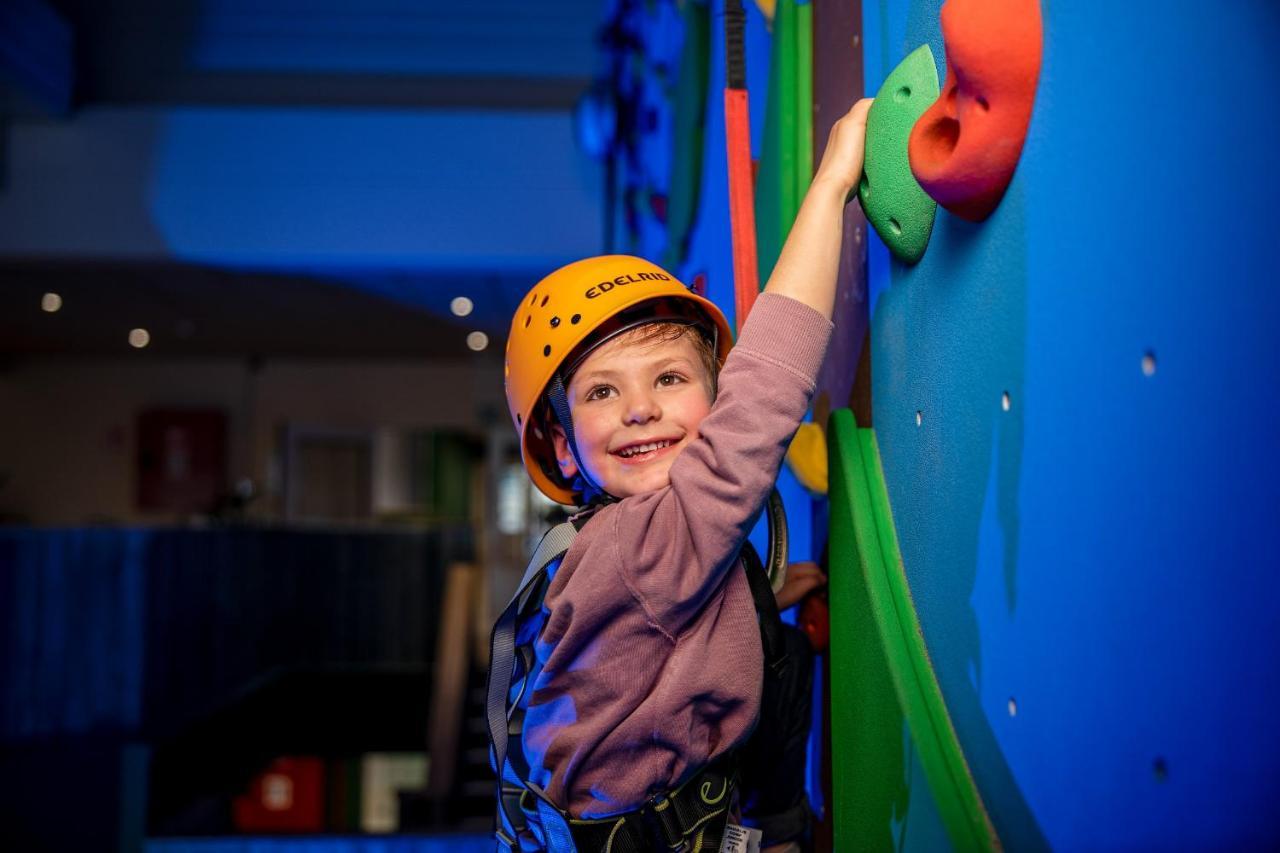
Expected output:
(1160, 769)
(1013, 707)
(919, 417)
(1005, 401)
(1149, 363)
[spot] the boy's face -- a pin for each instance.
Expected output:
(636, 404)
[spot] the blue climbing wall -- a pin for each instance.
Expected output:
(1094, 560)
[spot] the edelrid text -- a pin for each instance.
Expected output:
(606, 286)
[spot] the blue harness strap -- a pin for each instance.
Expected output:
(502, 663)
(559, 400)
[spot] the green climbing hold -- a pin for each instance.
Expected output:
(895, 204)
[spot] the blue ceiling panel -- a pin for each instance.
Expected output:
(501, 37)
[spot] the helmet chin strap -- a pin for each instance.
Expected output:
(560, 406)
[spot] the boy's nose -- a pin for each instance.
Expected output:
(641, 408)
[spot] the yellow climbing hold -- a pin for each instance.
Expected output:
(807, 457)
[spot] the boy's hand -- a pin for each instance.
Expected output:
(809, 263)
(842, 159)
(802, 579)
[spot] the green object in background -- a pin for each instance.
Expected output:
(879, 661)
(894, 203)
(443, 462)
(687, 132)
(786, 155)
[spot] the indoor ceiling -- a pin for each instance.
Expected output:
(504, 55)
(192, 311)
(501, 54)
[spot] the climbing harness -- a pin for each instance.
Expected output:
(691, 817)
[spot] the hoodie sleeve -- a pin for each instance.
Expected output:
(674, 545)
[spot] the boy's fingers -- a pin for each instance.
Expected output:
(800, 570)
(857, 115)
(795, 589)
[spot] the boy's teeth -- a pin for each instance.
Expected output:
(643, 448)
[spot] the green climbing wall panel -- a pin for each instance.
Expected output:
(880, 669)
(786, 154)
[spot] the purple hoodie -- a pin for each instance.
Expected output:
(651, 658)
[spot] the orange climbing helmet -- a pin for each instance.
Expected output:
(566, 309)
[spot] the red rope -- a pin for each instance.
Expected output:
(742, 210)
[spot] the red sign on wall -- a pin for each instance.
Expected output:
(286, 797)
(182, 459)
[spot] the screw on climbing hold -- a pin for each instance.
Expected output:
(1148, 363)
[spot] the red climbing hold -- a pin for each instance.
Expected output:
(964, 148)
(815, 620)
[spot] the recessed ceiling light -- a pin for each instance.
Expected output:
(461, 306)
(51, 302)
(477, 341)
(139, 338)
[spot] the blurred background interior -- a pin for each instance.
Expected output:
(258, 487)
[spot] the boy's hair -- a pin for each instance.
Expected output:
(661, 332)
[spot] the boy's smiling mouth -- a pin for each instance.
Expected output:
(641, 451)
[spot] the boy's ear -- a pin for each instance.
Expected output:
(564, 457)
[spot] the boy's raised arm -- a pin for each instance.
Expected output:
(810, 258)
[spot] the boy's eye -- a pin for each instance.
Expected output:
(599, 392)
(670, 379)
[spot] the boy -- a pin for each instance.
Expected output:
(644, 666)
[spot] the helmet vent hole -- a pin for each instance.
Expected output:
(575, 319)
(555, 321)
(533, 297)
(527, 320)
(546, 350)
(543, 304)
